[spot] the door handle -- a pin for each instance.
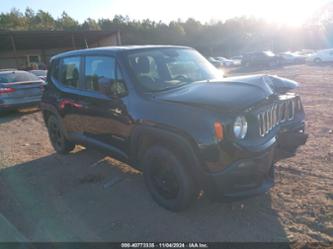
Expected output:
(68, 102)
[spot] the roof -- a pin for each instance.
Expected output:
(50, 39)
(115, 49)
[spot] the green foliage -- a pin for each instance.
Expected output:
(227, 38)
(40, 21)
(90, 24)
(65, 22)
(14, 20)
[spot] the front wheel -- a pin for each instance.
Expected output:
(57, 138)
(167, 179)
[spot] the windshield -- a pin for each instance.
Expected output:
(17, 76)
(166, 68)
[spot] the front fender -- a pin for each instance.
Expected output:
(178, 142)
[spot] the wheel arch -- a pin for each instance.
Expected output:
(47, 111)
(145, 136)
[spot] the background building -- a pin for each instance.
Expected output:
(23, 49)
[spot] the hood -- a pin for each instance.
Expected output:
(230, 94)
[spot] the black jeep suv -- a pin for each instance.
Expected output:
(168, 112)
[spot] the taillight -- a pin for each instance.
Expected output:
(6, 90)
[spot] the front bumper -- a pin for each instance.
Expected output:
(289, 141)
(245, 177)
(255, 174)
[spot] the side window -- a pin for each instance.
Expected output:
(102, 75)
(99, 72)
(70, 71)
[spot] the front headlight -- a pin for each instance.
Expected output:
(240, 127)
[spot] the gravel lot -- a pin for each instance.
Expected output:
(87, 196)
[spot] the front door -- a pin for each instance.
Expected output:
(104, 103)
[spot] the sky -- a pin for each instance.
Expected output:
(293, 12)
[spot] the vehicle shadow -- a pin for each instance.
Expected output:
(7, 116)
(86, 196)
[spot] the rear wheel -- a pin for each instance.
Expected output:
(167, 179)
(57, 138)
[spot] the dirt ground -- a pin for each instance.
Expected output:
(87, 196)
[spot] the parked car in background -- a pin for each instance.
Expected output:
(292, 58)
(320, 56)
(42, 74)
(226, 62)
(216, 63)
(167, 111)
(264, 58)
(237, 60)
(305, 52)
(19, 89)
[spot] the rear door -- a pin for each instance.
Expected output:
(67, 77)
(92, 101)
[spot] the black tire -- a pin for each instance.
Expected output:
(167, 179)
(60, 144)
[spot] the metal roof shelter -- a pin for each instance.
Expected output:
(14, 45)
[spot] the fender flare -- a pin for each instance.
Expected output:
(48, 108)
(44, 107)
(181, 143)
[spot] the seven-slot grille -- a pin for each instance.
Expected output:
(276, 114)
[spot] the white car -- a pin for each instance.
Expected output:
(226, 62)
(325, 55)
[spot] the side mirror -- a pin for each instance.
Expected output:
(118, 88)
(112, 88)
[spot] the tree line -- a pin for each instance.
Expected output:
(230, 37)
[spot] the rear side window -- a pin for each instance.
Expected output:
(99, 72)
(17, 76)
(70, 72)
